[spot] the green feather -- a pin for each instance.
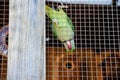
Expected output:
(53, 30)
(70, 22)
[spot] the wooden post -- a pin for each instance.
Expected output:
(26, 53)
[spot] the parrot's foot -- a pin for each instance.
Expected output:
(55, 20)
(62, 6)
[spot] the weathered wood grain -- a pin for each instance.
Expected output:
(26, 60)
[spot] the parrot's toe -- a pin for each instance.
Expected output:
(62, 6)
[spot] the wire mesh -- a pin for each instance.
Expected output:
(4, 15)
(97, 41)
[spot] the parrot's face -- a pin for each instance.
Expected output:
(69, 45)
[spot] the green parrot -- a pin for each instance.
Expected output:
(62, 27)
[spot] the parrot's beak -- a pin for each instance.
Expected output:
(69, 45)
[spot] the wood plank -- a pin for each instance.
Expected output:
(26, 60)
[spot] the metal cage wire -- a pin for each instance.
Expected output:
(97, 36)
(4, 15)
(97, 41)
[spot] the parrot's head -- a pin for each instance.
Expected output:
(69, 45)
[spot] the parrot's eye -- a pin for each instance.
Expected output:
(64, 41)
(67, 40)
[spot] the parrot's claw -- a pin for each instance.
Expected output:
(55, 20)
(62, 6)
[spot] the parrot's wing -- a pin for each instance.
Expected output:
(68, 19)
(50, 13)
(53, 30)
(70, 22)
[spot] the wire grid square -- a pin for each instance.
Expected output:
(97, 41)
(4, 15)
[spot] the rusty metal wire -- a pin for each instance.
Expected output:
(97, 40)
